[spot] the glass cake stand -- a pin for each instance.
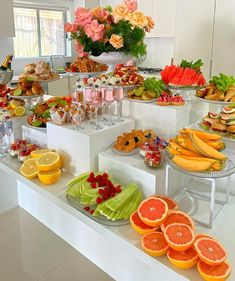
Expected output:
(209, 176)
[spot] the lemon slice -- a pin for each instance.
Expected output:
(48, 162)
(29, 168)
(39, 152)
(49, 177)
(19, 110)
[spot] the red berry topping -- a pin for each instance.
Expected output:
(87, 208)
(100, 191)
(98, 178)
(105, 175)
(99, 200)
(93, 185)
(118, 189)
(89, 179)
(92, 175)
(92, 212)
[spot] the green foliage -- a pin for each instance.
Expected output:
(195, 65)
(133, 39)
(223, 82)
(155, 85)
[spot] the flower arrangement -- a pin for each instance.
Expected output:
(108, 29)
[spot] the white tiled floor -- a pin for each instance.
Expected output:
(29, 251)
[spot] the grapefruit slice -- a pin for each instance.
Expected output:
(153, 211)
(202, 235)
(177, 217)
(179, 236)
(170, 202)
(154, 244)
(139, 226)
(210, 251)
(214, 273)
(185, 259)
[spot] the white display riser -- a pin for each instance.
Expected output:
(132, 169)
(116, 249)
(166, 120)
(34, 135)
(80, 148)
(18, 123)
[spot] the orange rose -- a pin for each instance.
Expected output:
(150, 25)
(138, 19)
(116, 41)
(120, 12)
(100, 14)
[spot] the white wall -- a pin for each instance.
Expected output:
(224, 40)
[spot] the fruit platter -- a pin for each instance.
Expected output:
(148, 91)
(99, 197)
(199, 154)
(40, 71)
(86, 66)
(221, 90)
(187, 75)
(42, 110)
(129, 143)
(222, 124)
(165, 230)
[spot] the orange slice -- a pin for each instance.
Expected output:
(48, 162)
(29, 168)
(210, 251)
(177, 217)
(154, 244)
(179, 236)
(169, 201)
(185, 259)
(202, 235)
(214, 273)
(49, 177)
(139, 226)
(153, 211)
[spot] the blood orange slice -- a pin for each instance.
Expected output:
(177, 217)
(139, 226)
(154, 244)
(153, 211)
(179, 236)
(214, 273)
(185, 259)
(170, 202)
(210, 251)
(202, 235)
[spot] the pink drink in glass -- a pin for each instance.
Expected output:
(118, 94)
(109, 98)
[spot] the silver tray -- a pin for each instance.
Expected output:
(86, 74)
(223, 135)
(74, 202)
(27, 97)
(184, 88)
(141, 101)
(213, 101)
(228, 170)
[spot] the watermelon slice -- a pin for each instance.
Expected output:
(165, 74)
(179, 75)
(173, 72)
(185, 74)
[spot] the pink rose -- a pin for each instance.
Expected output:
(131, 5)
(94, 30)
(100, 14)
(80, 49)
(68, 27)
(83, 17)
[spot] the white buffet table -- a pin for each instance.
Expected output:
(116, 250)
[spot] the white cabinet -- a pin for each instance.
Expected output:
(7, 19)
(194, 30)
(223, 59)
(163, 13)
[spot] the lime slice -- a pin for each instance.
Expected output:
(30, 79)
(18, 92)
(37, 123)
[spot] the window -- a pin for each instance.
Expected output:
(39, 32)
